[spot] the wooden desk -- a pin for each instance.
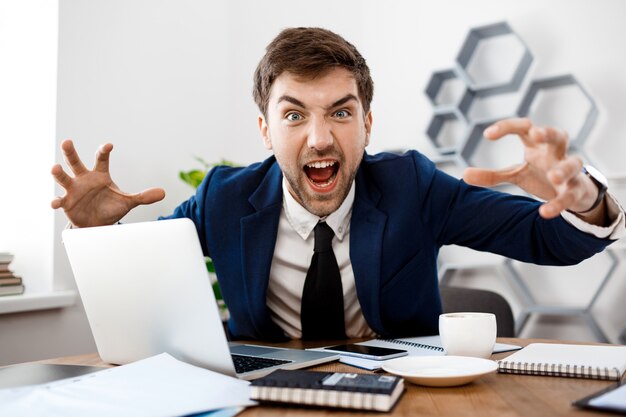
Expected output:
(498, 395)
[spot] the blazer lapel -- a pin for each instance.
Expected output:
(366, 236)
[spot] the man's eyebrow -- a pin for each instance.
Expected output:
(343, 101)
(297, 102)
(291, 100)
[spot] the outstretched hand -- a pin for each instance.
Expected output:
(91, 197)
(547, 171)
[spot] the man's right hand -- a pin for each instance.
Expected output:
(91, 197)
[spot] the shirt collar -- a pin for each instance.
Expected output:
(303, 222)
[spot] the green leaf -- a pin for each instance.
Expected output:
(209, 264)
(193, 177)
(217, 291)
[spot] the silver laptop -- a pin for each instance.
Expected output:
(146, 290)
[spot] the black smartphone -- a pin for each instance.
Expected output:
(367, 352)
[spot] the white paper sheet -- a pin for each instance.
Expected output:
(156, 386)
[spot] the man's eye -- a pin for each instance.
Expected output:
(342, 114)
(294, 117)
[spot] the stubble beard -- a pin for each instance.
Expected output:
(320, 205)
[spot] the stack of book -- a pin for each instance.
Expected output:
(10, 284)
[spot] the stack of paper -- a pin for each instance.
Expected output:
(157, 386)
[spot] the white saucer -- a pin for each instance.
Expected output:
(440, 371)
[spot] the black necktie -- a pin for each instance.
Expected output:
(322, 297)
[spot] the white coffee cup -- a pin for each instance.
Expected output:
(468, 334)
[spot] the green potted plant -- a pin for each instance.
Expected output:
(194, 178)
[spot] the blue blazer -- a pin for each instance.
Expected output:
(404, 211)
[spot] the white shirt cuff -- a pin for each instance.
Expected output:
(617, 228)
(69, 225)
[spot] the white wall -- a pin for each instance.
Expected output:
(28, 79)
(28, 56)
(169, 80)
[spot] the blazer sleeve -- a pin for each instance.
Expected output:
(509, 225)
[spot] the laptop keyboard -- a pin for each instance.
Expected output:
(252, 363)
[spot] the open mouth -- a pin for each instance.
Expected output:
(322, 174)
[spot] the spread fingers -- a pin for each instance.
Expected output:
(102, 158)
(57, 203)
(490, 177)
(71, 157)
(565, 170)
(61, 177)
(517, 126)
(555, 138)
(555, 206)
(149, 196)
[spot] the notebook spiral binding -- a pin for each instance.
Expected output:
(562, 370)
(413, 344)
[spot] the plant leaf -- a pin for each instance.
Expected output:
(217, 291)
(193, 177)
(209, 264)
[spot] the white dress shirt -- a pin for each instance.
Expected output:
(292, 257)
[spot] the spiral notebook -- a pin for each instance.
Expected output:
(329, 389)
(576, 361)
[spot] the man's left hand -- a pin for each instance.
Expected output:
(547, 171)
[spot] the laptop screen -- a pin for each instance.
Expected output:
(146, 290)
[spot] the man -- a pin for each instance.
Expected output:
(389, 214)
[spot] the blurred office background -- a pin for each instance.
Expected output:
(168, 81)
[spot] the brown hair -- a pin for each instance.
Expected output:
(310, 52)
